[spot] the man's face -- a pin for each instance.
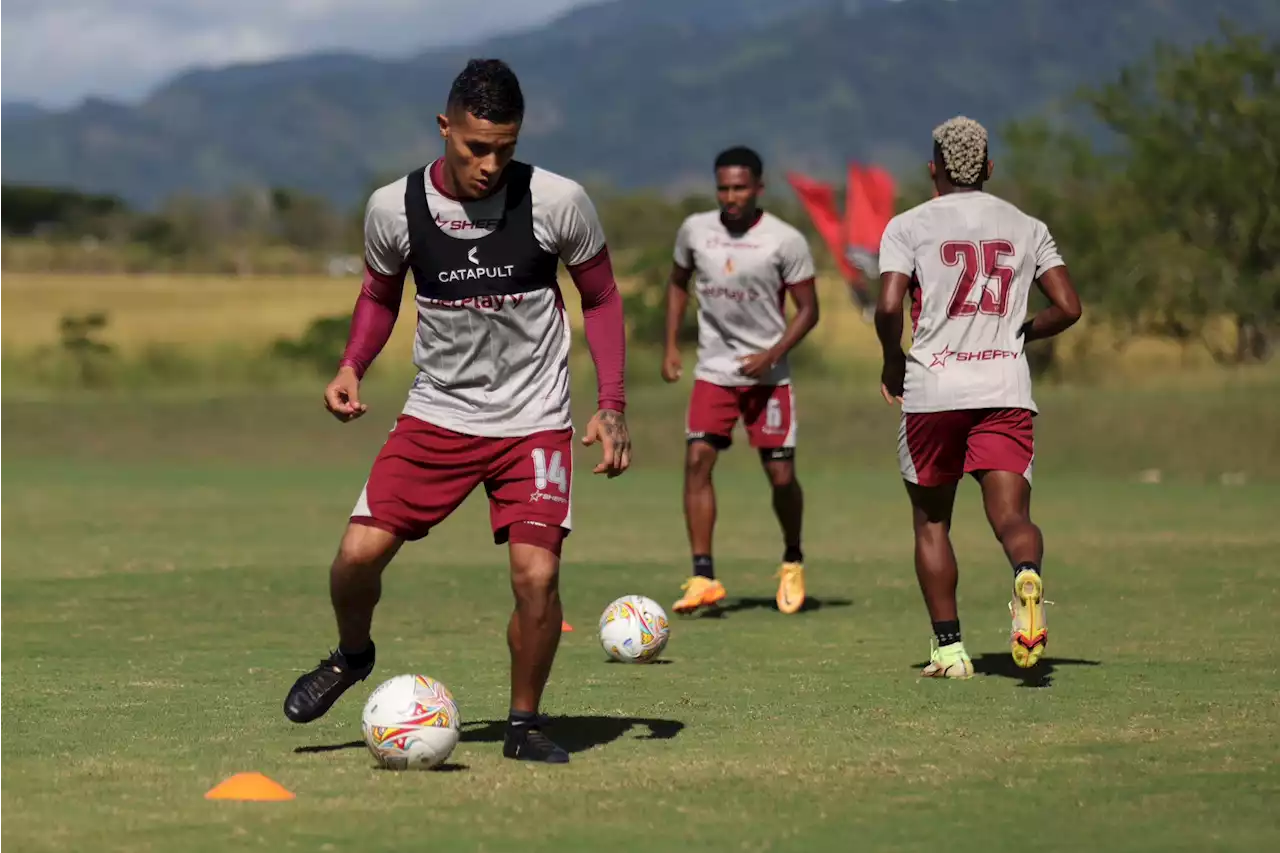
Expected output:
(476, 151)
(737, 191)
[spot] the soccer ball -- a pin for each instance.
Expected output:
(411, 723)
(634, 629)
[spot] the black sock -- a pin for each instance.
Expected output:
(792, 554)
(947, 632)
(359, 660)
(521, 719)
(1027, 566)
(703, 566)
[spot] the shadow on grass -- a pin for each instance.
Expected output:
(1001, 665)
(737, 605)
(578, 733)
(1040, 675)
(328, 747)
(447, 767)
(658, 662)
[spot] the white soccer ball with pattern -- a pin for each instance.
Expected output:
(634, 629)
(411, 723)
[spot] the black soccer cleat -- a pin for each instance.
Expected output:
(314, 693)
(526, 742)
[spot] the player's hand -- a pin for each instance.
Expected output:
(342, 395)
(610, 429)
(671, 366)
(892, 378)
(757, 364)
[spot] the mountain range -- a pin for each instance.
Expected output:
(624, 93)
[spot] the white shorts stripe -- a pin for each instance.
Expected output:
(905, 463)
(790, 440)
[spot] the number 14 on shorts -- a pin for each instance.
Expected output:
(549, 471)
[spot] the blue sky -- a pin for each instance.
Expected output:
(57, 52)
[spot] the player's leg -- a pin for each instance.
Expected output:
(530, 483)
(702, 589)
(931, 455)
(420, 476)
(1001, 454)
(788, 506)
(713, 411)
(533, 636)
(769, 416)
(355, 585)
(1006, 496)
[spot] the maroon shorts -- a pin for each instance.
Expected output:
(424, 472)
(936, 448)
(767, 411)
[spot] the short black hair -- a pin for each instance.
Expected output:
(741, 155)
(488, 89)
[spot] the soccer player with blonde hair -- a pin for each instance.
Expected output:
(968, 260)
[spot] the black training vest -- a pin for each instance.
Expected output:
(507, 260)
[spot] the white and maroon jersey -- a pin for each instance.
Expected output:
(973, 259)
(741, 282)
(492, 347)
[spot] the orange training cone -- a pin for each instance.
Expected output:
(565, 627)
(249, 786)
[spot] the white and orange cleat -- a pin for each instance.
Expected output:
(949, 661)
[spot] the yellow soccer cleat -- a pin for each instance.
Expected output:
(1030, 633)
(790, 587)
(699, 592)
(950, 661)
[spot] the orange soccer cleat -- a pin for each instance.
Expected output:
(699, 592)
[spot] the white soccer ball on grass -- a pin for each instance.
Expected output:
(411, 723)
(634, 629)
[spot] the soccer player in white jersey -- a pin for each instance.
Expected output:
(483, 234)
(968, 261)
(743, 263)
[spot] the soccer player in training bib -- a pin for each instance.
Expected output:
(483, 234)
(743, 263)
(968, 260)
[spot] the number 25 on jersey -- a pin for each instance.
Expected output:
(979, 260)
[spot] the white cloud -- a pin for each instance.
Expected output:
(58, 52)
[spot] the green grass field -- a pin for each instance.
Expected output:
(164, 583)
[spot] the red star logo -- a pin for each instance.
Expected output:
(940, 358)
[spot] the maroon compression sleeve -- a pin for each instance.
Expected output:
(604, 326)
(373, 318)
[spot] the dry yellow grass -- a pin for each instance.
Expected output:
(196, 310)
(206, 311)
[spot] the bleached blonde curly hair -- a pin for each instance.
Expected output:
(963, 143)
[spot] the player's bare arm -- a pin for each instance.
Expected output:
(1064, 306)
(804, 295)
(893, 289)
(677, 303)
(372, 322)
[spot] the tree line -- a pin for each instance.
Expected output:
(1162, 189)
